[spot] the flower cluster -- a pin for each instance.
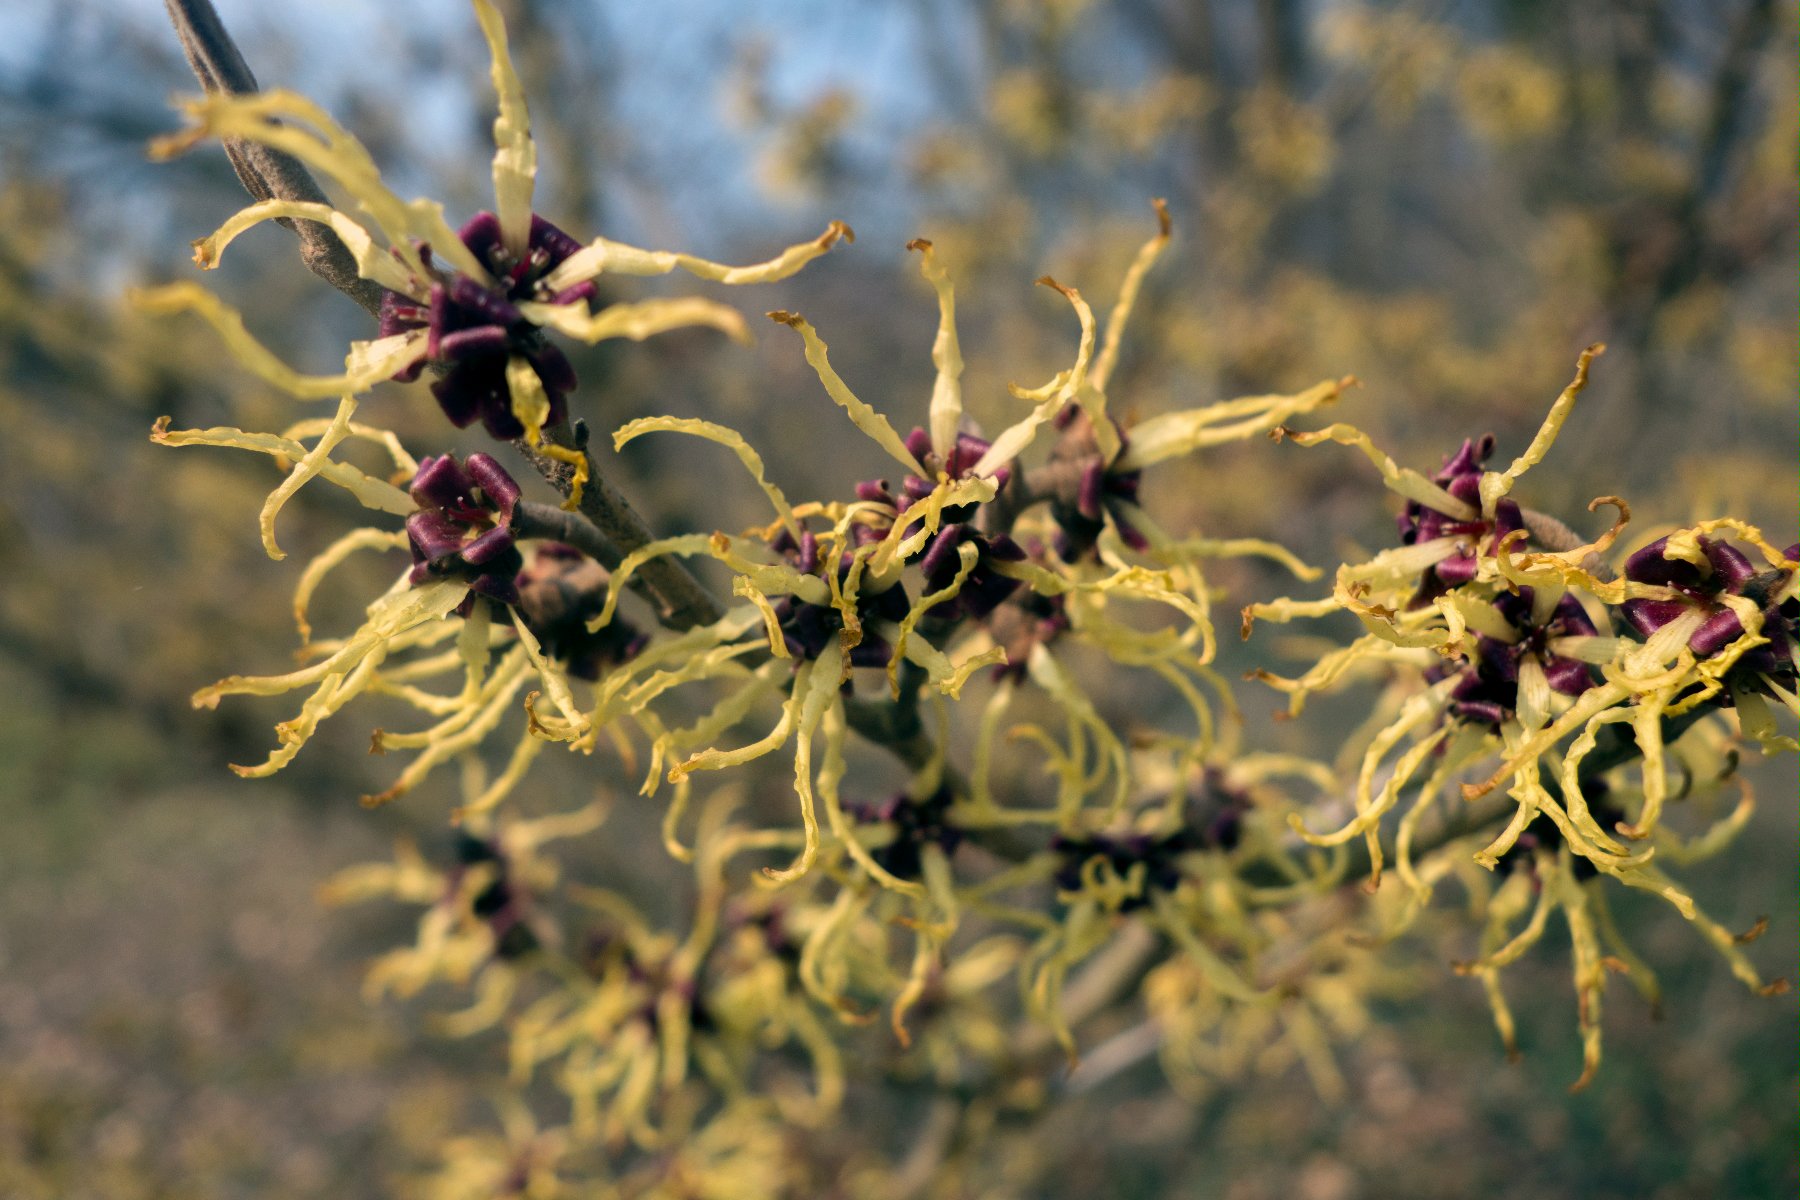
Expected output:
(474, 304)
(1510, 639)
(474, 328)
(463, 526)
(950, 621)
(1487, 688)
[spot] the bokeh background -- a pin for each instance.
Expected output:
(1445, 198)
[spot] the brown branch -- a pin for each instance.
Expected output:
(681, 601)
(267, 174)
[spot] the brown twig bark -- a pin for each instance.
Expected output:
(614, 527)
(266, 174)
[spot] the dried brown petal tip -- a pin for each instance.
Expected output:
(1755, 931)
(1162, 216)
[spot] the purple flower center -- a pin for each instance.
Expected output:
(963, 456)
(1461, 477)
(1728, 572)
(463, 528)
(474, 329)
(917, 824)
(809, 628)
(985, 588)
(1488, 692)
(1160, 856)
(1101, 489)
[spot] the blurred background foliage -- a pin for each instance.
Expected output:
(1445, 198)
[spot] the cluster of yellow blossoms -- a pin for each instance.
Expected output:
(1518, 659)
(983, 578)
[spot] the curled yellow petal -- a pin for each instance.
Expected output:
(742, 587)
(367, 364)
(865, 418)
(288, 121)
(372, 262)
(372, 493)
(1147, 254)
(405, 465)
(515, 157)
(946, 354)
(636, 321)
(608, 257)
(814, 692)
(309, 466)
(331, 556)
(1013, 440)
(531, 408)
(555, 680)
(731, 439)
(1403, 481)
(968, 554)
(1171, 435)
(1496, 484)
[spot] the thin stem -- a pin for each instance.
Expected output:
(266, 174)
(607, 528)
(532, 519)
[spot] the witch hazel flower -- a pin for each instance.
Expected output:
(1515, 653)
(459, 530)
(956, 462)
(482, 919)
(916, 824)
(1717, 601)
(1543, 835)
(499, 902)
(1103, 492)
(1722, 570)
(1124, 868)
(1206, 813)
(473, 303)
(1464, 535)
(463, 526)
(474, 331)
(1543, 872)
(806, 627)
(1455, 529)
(1716, 632)
(1519, 664)
(962, 558)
